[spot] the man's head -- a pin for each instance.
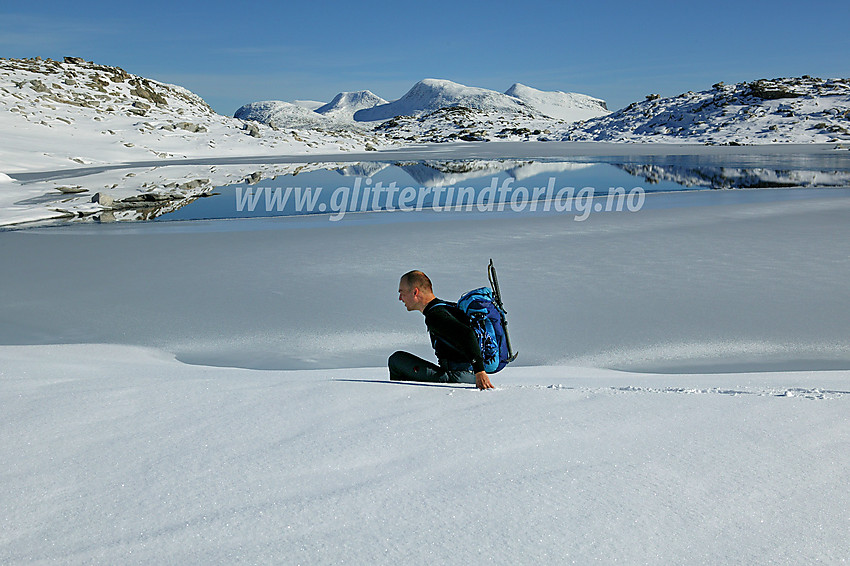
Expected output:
(415, 291)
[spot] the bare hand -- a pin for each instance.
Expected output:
(482, 381)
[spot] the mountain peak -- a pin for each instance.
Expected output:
(347, 103)
(429, 95)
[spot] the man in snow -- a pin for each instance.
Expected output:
(454, 341)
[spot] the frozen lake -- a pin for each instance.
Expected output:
(527, 178)
(696, 280)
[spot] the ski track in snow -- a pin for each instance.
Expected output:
(812, 393)
(799, 392)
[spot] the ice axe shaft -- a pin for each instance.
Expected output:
(497, 296)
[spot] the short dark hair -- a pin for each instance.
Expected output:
(416, 278)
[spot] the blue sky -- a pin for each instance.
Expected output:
(234, 53)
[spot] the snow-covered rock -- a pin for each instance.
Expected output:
(567, 106)
(796, 110)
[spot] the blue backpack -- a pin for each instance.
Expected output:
(484, 313)
(487, 319)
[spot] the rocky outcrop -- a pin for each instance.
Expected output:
(76, 82)
(798, 110)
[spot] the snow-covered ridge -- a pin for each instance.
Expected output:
(796, 110)
(567, 106)
(278, 114)
(305, 115)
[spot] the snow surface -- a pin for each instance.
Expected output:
(115, 451)
(122, 455)
(310, 104)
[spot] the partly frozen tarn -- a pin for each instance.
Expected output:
(687, 285)
(485, 150)
(115, 454)
(36, 194)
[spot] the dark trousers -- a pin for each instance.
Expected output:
(405, 366)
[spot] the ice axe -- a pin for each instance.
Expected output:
(497, 297)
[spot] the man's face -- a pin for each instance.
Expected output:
(407, 295)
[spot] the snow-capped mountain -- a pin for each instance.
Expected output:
(802, 110)
(345, 104)
(437, 110)
(442, 111)
(430, 95)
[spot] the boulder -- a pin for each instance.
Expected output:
(190, 127)
(252, 130)
(103, 199)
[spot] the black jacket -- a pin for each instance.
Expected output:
(451, 336)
